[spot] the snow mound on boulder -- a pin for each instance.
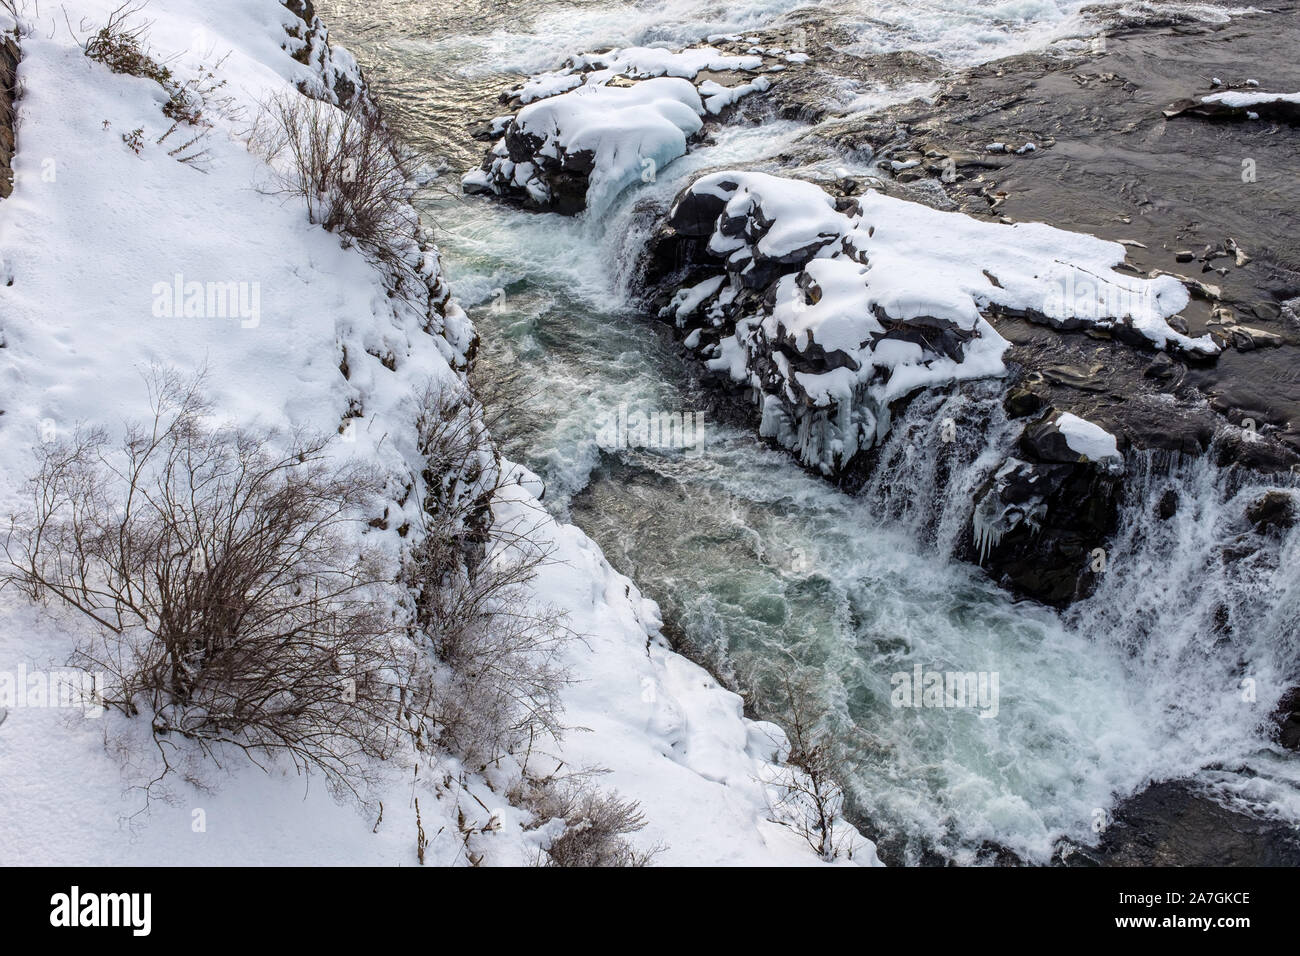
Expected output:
(612, 134)
(1240, 105)
(1239, 99)
(585, 132)
(1091, 441)
(833, 309)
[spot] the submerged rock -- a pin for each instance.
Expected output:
(1272, 511)
(1167, 507)
(1175, 823)
(1288, 720)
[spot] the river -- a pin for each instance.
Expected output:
(768, 574)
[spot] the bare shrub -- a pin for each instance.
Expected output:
(17, 11)
(498, 676)
(812, 801)
(122, 45)
(349, 169)
(230, 606)
(595, 824)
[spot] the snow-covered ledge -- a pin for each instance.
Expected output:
(831, 310)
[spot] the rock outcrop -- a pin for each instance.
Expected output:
(336, 76)
(9, 57)
(1042, 520)
(830, 310)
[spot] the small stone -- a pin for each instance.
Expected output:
(1023, 401)
(1162, 368)
(1273, 509)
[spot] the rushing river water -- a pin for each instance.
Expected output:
(765, 572)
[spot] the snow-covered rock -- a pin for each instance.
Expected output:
(833, 309)
(1240, 104)
(1041, 521)
(1090, 441)
(581, 149)
(586, 132)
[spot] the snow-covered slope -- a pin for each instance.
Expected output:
(101, 243)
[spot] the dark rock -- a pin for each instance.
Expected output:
(1040, 525)
(1025, 399)
(484, 131)
(1256, 452)
(1175, 823)
(1288, 719)
(9, 57)
(1168, 505)
(1268, 311)
(1163, 368)
(1077, 376)
(1043, 440)
(695, 214)
(1273, 510)
(1278, 109)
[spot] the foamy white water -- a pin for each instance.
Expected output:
(962, 32)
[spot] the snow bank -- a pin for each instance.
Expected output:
(103, 243)
(832, 309)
